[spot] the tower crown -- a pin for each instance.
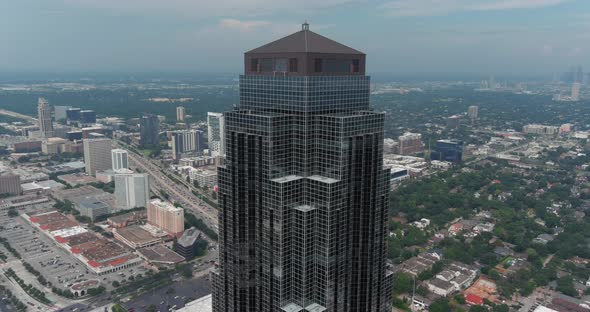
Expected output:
(304, 53)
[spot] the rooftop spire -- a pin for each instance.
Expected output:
(305, 26)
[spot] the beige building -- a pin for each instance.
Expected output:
(97, 155)
(165, 216)
(10, 184)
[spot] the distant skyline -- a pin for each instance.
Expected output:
(400, 36)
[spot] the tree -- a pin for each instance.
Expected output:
(440, 305)
(478, 308)
(460, 299)
(151, 308)
(565, 285)
(116, 284)
(402, 283)
(501, 308)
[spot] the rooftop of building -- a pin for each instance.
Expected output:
(93, 203)
(305, 41)
(160, 254)
(164, 205)
(204, 304)
(189, 237)
(128, 216)
(100, 250)
(136, 234)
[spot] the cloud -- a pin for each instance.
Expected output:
(209, 8)
(243, 26)
(445, 7)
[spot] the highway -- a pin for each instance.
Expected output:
(17, 115)
(178, 192)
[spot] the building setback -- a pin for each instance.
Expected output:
(303, 194)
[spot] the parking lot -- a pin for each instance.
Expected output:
(56, 265)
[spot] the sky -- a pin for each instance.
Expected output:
(398, 36)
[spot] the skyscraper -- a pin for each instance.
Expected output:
(472, 112)
(303, 195)
(185, 141)
(576, 91)
(149, 130)
(59, 112)
(97, 155)
(216, 133)
(119, 159)
(132, 190)
(44, 115)
(180, 113)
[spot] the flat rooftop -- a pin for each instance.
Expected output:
(77, 178)
(189, 237)
(101, 250)
(136, 234)
(160, 254)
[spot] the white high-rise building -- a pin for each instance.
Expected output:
(216, 133)
(132, 190)
(472, 112)
(97, 155)
(180, 113)
(59, 112)
(120, 159)
(44, 115)
(576, 91)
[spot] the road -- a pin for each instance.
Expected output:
(17, 115)
(177, 192)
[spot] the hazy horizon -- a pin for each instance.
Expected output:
(503, 37)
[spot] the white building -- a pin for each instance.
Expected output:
(97, 155)
(132, 190)
(472, 112)
(120, 159)
(216, 133)
(204, 176)
(44, 116)
(540, 129)
(59, 112)
(180, 113)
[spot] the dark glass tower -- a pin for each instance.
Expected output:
(303, 193)
(149, 129)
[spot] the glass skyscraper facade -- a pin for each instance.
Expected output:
(303, 193)
(149, 130)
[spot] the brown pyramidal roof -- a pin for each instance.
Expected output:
(305, 41)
